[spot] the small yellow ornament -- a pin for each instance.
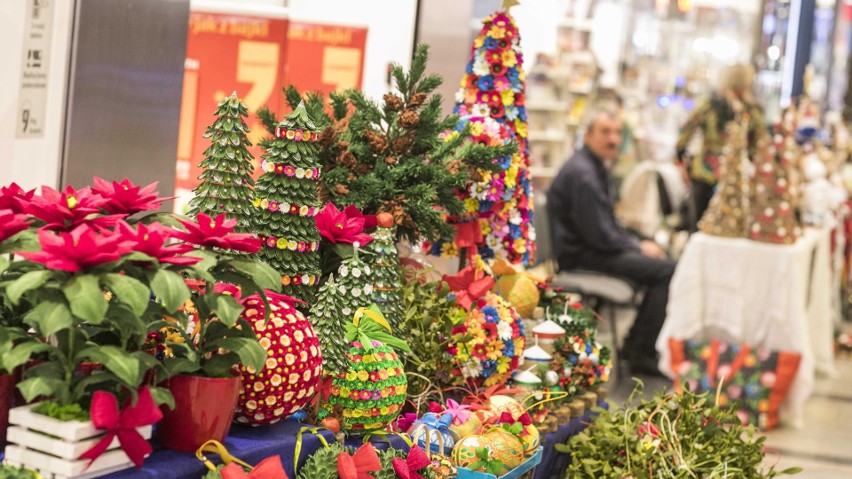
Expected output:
(506, 447)
(464, 452)
(467, 428)
(531, 439)
(500, 404)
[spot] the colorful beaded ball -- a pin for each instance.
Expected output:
(293, 367)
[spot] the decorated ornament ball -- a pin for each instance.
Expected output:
(464, 452)
(530, 439)
(468, 427)
(506, 447)
(498, 404)
(372, 390)
(293, 366)
(520, 291)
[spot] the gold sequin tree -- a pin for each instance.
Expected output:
(727, 215)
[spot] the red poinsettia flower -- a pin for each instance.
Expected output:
(127, 198)
(65, 210)
(15, 198)
(339, 227)
(11, 224)
(370, 221)
(153, 241)
(217, 233)
(82, 248)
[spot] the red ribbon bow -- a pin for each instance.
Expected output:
(269, 468)
(106, 415)
(359, 465)
(407, 468)
(524, 419)
(467, 287)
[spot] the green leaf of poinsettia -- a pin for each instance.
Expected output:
(129, 291)
(49, 317)
(228, 310)
(170, 288)
(263, 275)
(86, 299)
(27, 282)
(117, 361)
(250, 352)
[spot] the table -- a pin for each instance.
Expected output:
(554, 463)
(772, 296)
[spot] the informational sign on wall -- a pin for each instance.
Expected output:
(255, 57)
(32, 94)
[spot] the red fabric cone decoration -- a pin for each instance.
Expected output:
(122, 424)
(359, 465)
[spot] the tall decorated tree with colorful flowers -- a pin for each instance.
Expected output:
(226, 183)
(286, 201)
(493, 86)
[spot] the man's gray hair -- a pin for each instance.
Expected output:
(602, 110)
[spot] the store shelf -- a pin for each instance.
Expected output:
(547, 135)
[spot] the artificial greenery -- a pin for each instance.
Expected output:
(11, 472)
(391, 157)
(486, 463)
(429, 313)
(323, 464)
(62, 412)
(226, 183)
(668, 436)
(387, 272)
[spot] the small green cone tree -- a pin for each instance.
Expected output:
(286, 202)
(226, 183)
(386, 271)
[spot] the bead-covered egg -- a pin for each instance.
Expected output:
(464, 452)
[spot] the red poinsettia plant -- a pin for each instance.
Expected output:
(96, 286)
(341, 231)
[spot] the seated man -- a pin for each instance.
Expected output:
(586, 236)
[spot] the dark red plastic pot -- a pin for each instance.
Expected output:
(204, 410)
(7, 398)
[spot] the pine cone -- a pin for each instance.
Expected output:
(393, 102)
(453, 166)
(363, 168)
(351, 177)
(475, 175)
(390, 160)
(401, 143)
(417, 99)
(341, 189)
(347, 160)
(409, 119)
(399, 214)
(326, 138)
(324, 196)
(377, 142)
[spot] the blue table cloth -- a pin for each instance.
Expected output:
(554, 463)
(250, 444)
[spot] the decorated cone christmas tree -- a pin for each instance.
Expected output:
(226, 183)
(285, 202)
(727, 214)
(386, 271)
(370, 392)
(773, 201)
(337, 301)
(494, 86)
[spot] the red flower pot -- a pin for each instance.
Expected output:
(7, 398)
(204, 410)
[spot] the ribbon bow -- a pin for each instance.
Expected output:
(122, 424)
(524, 419)
(368, 325)
(505, 268)
(467, 287)
(432, 420)
(359, 465)
(460, 413)
(407, 468)
(269, 468)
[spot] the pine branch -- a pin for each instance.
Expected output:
(267, 119)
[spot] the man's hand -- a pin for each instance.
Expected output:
(651, 249)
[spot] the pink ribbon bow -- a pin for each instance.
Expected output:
(461, 413)
(407, 468)
(122, 424)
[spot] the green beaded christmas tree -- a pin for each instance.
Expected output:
(386, 271)
(285, 202)
(226, 183)
(339, 298)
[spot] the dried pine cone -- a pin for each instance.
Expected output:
(475, 175)
(324, 196)
(417, 99)
(351, 177)
(347, 160)
(393, 102)
(401, 143)
(341, 189)
(326, 137)
(390, 160)
(453, 166)
(363, 168)
(409, 119)
(377, 142)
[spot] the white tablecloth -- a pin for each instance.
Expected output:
(764, 295)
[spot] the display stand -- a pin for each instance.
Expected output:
(554, 463)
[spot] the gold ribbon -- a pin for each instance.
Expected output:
(217, 447)
(383, 434)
